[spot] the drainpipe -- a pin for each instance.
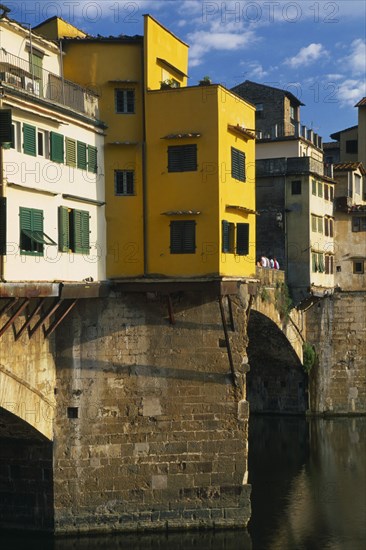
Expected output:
(144, 183)
(4, 11)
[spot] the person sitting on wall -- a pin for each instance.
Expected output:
(271, 262)
(276, 265)
(264, 261)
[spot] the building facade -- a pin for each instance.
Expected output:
(294, 193)
(180, 186)
(350, 227)
(52, 188)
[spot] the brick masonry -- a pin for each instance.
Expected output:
(336, 326)
(150, 432)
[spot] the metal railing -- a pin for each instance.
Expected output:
(296, 129)
(32, 79)
(292, 165)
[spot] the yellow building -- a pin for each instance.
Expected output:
(179, 160)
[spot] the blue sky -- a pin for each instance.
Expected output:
(313, 48)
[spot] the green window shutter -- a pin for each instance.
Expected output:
(92, 159)
(6, 134)
(29, 140)
(81, 231)
(81, 154)
(182, 158)
(2, 226)
(313, 262)
(63, 229)
(31, 220)
(238, 164)
(183, 237)
(57, 147)
(321, 263)
(70, 145)
(242, 239)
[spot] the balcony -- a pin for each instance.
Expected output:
(20, 75)
(296, 130)
(291, 165)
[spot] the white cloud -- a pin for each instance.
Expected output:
(255, 70)
(356, 60)
(351, 91)
(202, 42)
(306, 56)
(334, 76)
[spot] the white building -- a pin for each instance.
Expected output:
(52, 194)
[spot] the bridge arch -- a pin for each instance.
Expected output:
(28, 403)
(276, 382)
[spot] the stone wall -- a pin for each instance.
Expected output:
(150, 431)
(336, 326)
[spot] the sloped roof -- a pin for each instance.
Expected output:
(361, 103)
(349, 166)
(288, 94)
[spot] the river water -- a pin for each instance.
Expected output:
(308, 481)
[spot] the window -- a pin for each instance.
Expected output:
(228, 236)
(329, 264)
(258, 110)
(358, 268)
(42, 143)
(125, 101)
(2, 226)
(32, 237)
(320, 225)
(124, 182)
(36, 62)
(359, 223)
(73, 230)
(81, 155)
(238, 164)
(328, 227)
(317, 262)
(183, 237)
(331, 227)
(57, 147)
(182, 158)
(293, 113)
(320, 189)
(351, 146)
(242, 239)
(29, 140)
(313, 187)
(326, 192)
(296, 187)
(314, 223)
(70, 146)
(357, 184)
(331, 192)
(92, 159)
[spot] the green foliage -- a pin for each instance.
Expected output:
(205, 81)
(309, 357)
(283, 300)
(265, 295)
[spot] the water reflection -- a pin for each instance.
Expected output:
(308, 493)
(309, 482)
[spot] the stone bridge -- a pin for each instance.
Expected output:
(133, 414)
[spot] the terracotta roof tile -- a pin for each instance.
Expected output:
(361, 103)
(349, 166)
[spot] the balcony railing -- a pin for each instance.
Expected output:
(20, 74)
(296, 129)
(292, 165)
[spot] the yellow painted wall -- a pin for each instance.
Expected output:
(233, 111)
(161, 43)
(58, 28)
(186, 110)
(105, 66)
